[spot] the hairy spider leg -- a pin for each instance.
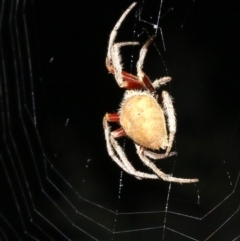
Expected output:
(117, 154)
(124, 79)
(161, 174)
(141, 75)
(115, 30)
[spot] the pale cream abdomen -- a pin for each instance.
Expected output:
(142, 119)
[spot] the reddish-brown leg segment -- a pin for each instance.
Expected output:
(148, 83)
(114, 117)
(130, 81)
(118, 133)
(124, 79)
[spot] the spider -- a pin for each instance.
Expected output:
(141, 114)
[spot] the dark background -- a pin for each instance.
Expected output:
(57, 180)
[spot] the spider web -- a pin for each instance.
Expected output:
(57, 181)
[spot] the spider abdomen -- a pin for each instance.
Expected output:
(142, 119)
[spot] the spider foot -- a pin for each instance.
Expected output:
(162, 81)
(173, 153)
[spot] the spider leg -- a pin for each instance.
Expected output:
(162, 81)
(115, 30)
(131, 82)
(171, 119)
(161, 174)
(115, 65)
(141, 75)
(118, 133)
(130, 169)
(127, 81)
(109, 145)
(114, 148)
(112, 117)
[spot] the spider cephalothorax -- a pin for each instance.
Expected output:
(142, 116)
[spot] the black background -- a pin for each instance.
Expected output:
(66, 46)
